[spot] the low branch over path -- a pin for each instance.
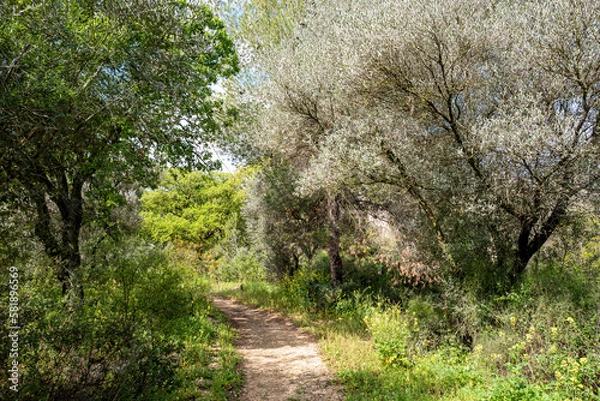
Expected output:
(281, 362)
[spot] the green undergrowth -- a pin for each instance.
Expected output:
(540, 342)
(144, 330)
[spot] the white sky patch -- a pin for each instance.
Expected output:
(228, 165)
(217, 88)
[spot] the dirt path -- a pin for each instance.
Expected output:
(281, 363)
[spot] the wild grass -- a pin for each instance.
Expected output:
(541, 342)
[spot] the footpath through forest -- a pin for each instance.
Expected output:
(281, 363)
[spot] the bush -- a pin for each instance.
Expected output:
(243, 265)
(391, 331)
(517, 389)
(142, 325)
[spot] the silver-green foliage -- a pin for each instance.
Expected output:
(481, 115)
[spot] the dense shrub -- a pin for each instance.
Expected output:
(142, 327)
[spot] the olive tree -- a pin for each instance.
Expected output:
(482, 115)
(286, 226)
(265, 30)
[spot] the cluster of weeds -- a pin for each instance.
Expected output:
(143, 330)
(540, 342)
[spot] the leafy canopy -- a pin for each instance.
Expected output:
(94, 95)
(480, 120)
(194, 208)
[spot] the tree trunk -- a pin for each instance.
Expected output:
(64, 248)
(71, 210)
(529, 245)
(295, 266)
(335, 260)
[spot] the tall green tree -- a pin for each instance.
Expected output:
(194, 208)
(201, 214)
(95, 94)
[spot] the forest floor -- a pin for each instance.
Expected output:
(280, 362)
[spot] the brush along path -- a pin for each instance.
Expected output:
(280, 362)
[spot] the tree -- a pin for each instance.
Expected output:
(194, 208)
(95, 94)
(264, 28)
(483, 115)
(201, 214)
(287, 226)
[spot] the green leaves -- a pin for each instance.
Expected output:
(95, 95)
(86, 75)
(195, 207)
